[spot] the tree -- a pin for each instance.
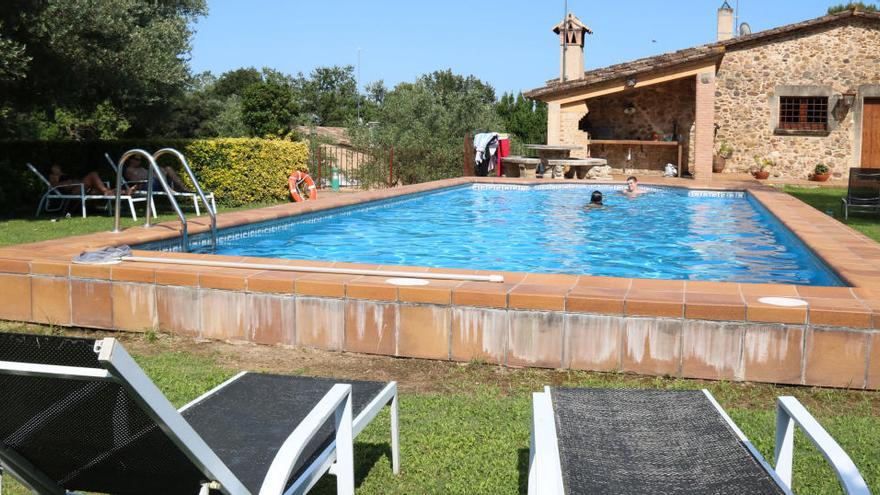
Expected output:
(13, 59)
(425, 122)
(268, 108)
(329, 96)
(862, 6)
(234, 82)
(524, 118)
(74, 55)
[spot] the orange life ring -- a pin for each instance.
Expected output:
(293, 183)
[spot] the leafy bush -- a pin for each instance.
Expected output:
(238, 170)
(241, 170)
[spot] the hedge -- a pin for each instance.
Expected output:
(237, 170)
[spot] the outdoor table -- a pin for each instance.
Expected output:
(548, 152)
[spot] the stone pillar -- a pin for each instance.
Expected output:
(704, 127)
(554, 114)
(569, 132)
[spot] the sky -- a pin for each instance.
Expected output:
(508, 44)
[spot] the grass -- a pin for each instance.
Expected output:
(828, 200)
(24, 229)
(474, 438)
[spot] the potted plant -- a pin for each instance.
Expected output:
(719, 161)
(821, 173)
(760, 170)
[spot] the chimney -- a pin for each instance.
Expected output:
(725, 22)
(571, 44)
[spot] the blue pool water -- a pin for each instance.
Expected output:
(667, 233)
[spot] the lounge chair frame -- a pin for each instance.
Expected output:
(545, 467)
(55, 193)
(861, 203)
(337, 458)
(177, 194)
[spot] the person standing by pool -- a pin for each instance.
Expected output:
(632, 187)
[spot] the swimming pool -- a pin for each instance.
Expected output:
(667, 233)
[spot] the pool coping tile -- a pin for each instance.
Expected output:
(851, 255)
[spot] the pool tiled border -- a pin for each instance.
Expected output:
(656, 327)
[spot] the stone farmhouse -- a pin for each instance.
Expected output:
(800, 95)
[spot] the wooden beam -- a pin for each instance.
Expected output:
(642, 81)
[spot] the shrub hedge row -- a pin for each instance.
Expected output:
(238, 170)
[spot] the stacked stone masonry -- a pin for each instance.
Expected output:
(840, 57)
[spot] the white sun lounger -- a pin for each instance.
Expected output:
(177, 194)
(80, 414)
(664, 441)
(54, 193)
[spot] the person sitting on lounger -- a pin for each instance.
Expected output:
(632, 187)
(92, 182)
(134, 171)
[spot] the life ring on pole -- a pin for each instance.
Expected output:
(296, 179)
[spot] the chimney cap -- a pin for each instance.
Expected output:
(573, 24)
(725, 6)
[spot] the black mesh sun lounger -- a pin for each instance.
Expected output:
(863, 191)
(598, 441)
(79, 414)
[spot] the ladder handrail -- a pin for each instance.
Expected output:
(201, 193)
(153, 169)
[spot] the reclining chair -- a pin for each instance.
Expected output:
(56, 193)
(79, 414)
(863, 191)
(142, 192)
(661, 441)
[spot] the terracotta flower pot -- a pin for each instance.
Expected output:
(718, 163)
(761, 174)
(821, 177)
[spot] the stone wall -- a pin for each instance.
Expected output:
(663, 109)
(828, 61)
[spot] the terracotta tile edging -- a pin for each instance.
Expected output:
(843, 310)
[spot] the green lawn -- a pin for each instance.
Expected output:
(828, 201)
(25, 229)
(473, 436)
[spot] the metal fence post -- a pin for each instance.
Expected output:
(391, 168)
(319, 165)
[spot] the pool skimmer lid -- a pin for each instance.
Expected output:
(786, 302)
(406, 281)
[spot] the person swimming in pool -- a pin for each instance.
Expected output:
(595, 200)
(632, 187)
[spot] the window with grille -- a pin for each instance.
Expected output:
(803, 113)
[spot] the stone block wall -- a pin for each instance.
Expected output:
(663, 109)
(570, 133)
(831, 59)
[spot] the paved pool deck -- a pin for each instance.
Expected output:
(695, 329)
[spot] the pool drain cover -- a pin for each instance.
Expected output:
(407, 281)
(788, 302)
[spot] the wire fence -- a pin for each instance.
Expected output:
(334, 165)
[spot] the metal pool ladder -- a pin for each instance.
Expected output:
(155, 172)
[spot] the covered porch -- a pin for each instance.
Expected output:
(639, 117)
